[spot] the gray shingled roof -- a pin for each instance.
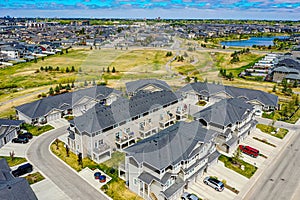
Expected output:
(225, 112)
(148, 178)
(100, 117)
(7, 125)
(63, 101)
(134, 86)
(284, 69)
(9, 122)
(12, 188)
(293, 76)
(171, 145)
(209, 89)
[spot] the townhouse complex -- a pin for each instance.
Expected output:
(168, 139)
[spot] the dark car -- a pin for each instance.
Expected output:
(20, 140)
(25, 135)
(23, 169)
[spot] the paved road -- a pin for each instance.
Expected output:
(280, 180)
(66, 179)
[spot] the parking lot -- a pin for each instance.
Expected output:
(222, 173)
(232, 178)
(263, 148)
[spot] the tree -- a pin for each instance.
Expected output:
(73, 69)
(187, 79)
(67, 70)
(73, 85)
(85, 83)
(79, 160)
(224, 47)
(108, 71)
(205, 80)
(57, 68)
(297, 100)
(274, 88)
(57, 143)
(195, 79)
(295, 84)
(94, 83)
(68, 87)
(67, 51)
(237, 156)
(51, 91)
(60, 86)
(57, 90)
(67, 150)
(12, 155)
(42, 68)
(230, 76)
(80, 70)
(113, 70)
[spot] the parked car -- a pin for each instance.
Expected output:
(188, 196)
(258, 113)
(20, 140)
(25, 135)
(249, 150)
(23, 169)
(214, 183)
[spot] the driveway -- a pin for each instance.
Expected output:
(219, 170)
(18, 148)
(46, 189)
(59, 173)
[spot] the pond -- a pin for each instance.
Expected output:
(266, 41)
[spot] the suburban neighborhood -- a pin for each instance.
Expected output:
(154, 109)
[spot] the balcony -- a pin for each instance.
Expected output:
(167, 120)
(147, 130)
(101, 153)
(124, 140)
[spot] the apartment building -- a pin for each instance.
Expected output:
(161, 166)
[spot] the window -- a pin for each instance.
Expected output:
(135, 181)
(96, 144)
(100, 142)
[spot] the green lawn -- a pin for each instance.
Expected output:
(269, 129)
(37, 130)
(249, 169)
(15, 161)
(34, 178)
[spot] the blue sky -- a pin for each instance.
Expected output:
(229, 9)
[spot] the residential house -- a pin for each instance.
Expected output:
(121, 124)
(212, 93)
(232, 118)
(152, 85)
(161, 166)
(72, 103)
(13, 188)
(8, 130)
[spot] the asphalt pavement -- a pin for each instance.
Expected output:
(61, 175)
(280, 180)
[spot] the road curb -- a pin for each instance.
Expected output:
(77, 173)
(260, 171)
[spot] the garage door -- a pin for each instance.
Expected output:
(53, 116)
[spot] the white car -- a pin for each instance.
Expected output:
(188, 196)
(258, 113)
